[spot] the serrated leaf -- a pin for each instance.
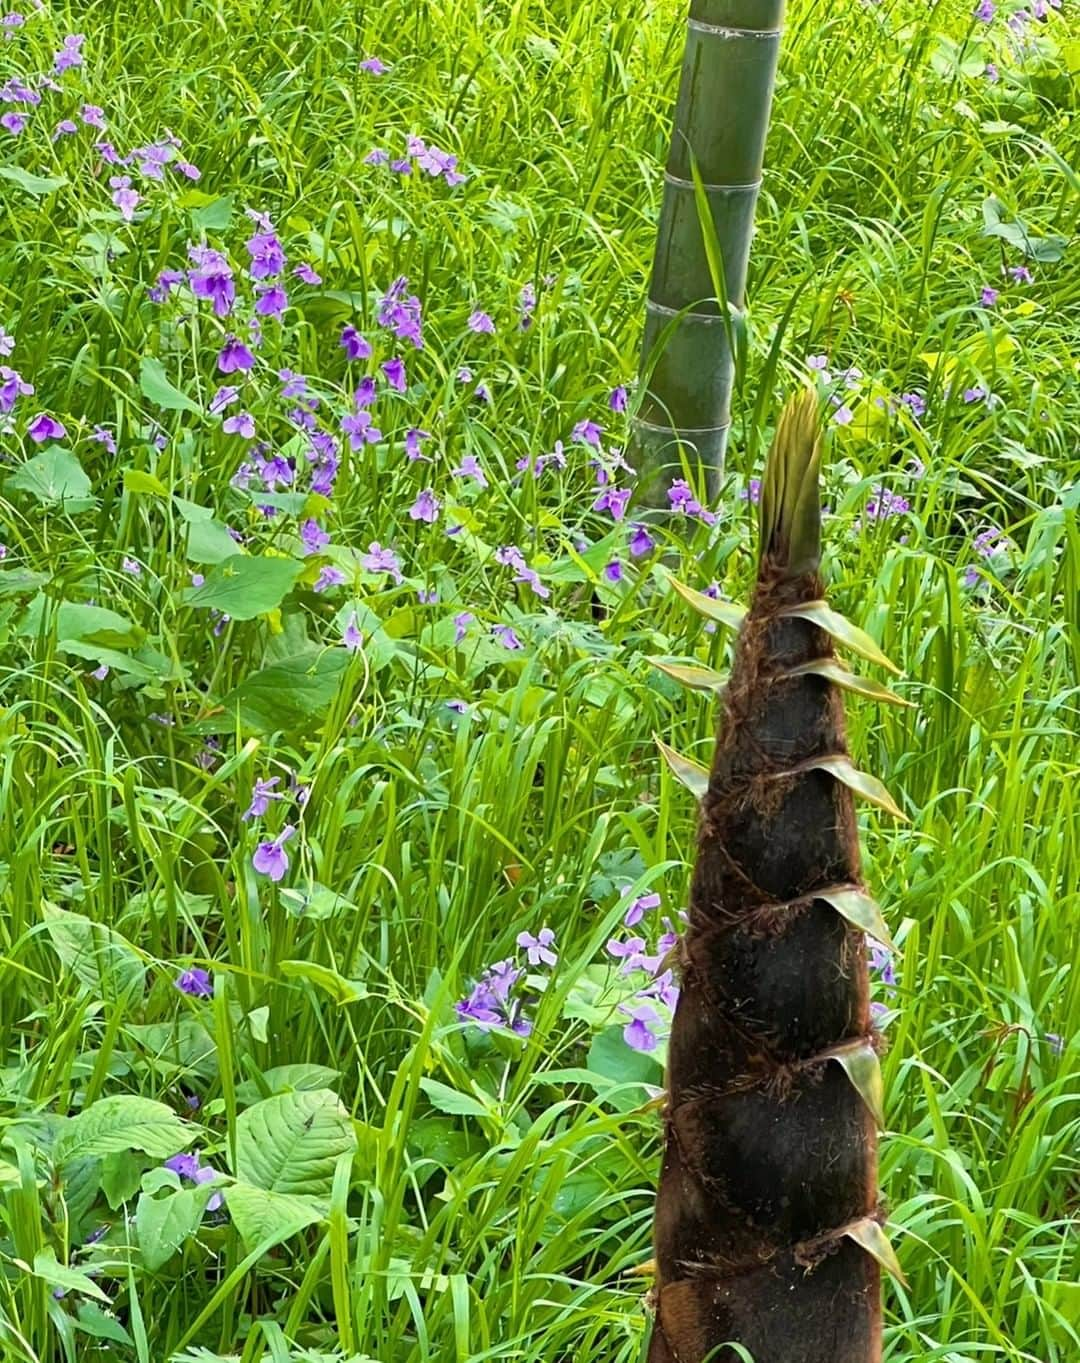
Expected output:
(820, 613)
(329, 981)
(259, 1215)
(446, 1099)
(696, 678)
(832, 671)
(164, 1223)
(726, 612)
(49, 1270)
(861, 782)
(862, 911)
(54, 478)
(246, 585)
(860, 1063)
(870, 1236)
(154, 384)
(692, 774)
(101, 959)
(123, 1121)
(290, 1143)
(35, 185)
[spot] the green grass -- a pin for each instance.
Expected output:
(500, 1190)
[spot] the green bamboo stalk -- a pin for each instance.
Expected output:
(721, 122)
(767, 1230)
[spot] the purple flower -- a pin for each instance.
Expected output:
(225, 396)
(241, 423)
(212, 279)
(991, 72)
(459, 707)
(357, 426)
(380, 560)
(355, 346)
(985, 10)
(329, 576)
(313, 536)
(270, 858)
(13, 123)
(92, 116)
(1056, 1044)
(481, 323)
(395, 373)
(401, 313)
(425, 508)
(44, 427)
(264, 248)
(636, 1033)
(638, 909)
(640, 542)
(843, 416)
(189, 1167)
(167, 280)
(261, 796)
(539, 948)
(617, 400)
(915, 403)
(131, 566)
(104, 437)
(413, 437)
(462, 621)
(7, 342)
(613, 571)
(587, 433)
(527, 305)
(884, 504)
(989, 296)
(306, 274)
(69, 54)
(470, 468)
(365, 391)
(351, 636)
(506, 636)
(373, 66)
(685, 503)
(751, 492)
(65, 128)
(272, 300)
(196, 983)
(124, 197)
(614, 501)
(976, 394)
(1020, 274)
(631, 953)
(881, 960)
(377, 156)
(235, 356)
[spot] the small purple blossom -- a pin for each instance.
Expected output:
(751, 492)
(884, 504)
(506, 636)
(270, 858)
(989, 296)
(196, 983)
(640, 907)
(587, 433)
(613, 571)
(240, 423)
(235, 356)
(329, 577)
(413, 439)
(306, 274)
(426, 507)
(261, 796)
(355, 346)
(462, 621)
(683, 502)
(470, 468)
(212, 279)
(351, 636)
(44, 427)
(395, 373)
(640, 541)
(380, 560)
(636, 1033)
(313, 537)
(539, 948)
(617, 399)
(1020, 274)
(70, 54)
(481, 323)
(614, 501)
(373, 66)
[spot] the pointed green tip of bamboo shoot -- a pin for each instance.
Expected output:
(790, 498)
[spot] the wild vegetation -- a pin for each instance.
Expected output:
(340, 872)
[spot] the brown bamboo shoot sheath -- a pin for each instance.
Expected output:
(770, 1150)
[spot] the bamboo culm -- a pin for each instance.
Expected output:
(721, 121)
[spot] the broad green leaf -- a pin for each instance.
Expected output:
(692, 774)
(147, 666)
(290, 1143)
(21, 581)
(858, 908)
(696, 678)
(92, 1320)
(726, 612)
(79, 622)
(155, 385)
(612, 1062)
(1046, 249)
(121, 1174)
(138, 480)
(337, 986)
(861, 1066)
(49, 1270)
(35, 185)
(213, 216)
(102, 959)
(283, 1078)
(832, 671)
(870, 1236)
(861, 782)
(123, 1121)
(208, 540)
(260, 1215)
(288, 694)
(820, 613)
(246, 585)
(163, 1223)
(446, 1099)
(55, 478)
